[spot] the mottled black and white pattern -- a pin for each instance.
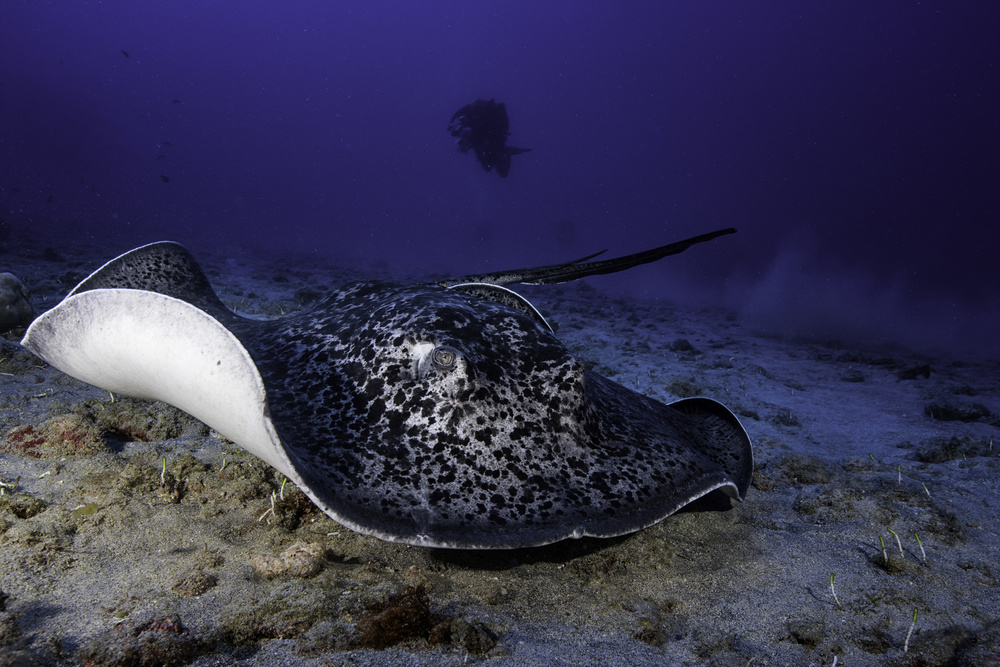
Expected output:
(435, 416)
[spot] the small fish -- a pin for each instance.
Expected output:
(125, 53)
(176, 102)
(48, 199)
(165, 179)
(160, 157)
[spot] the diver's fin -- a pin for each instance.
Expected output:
(567, 271)
(503, 160)
(502, 163)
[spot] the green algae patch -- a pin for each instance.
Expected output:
(85, 510)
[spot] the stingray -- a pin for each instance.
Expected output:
(443, 414)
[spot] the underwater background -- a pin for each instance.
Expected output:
(295, 147)
(853, 144)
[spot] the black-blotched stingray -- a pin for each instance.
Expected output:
(442, 414)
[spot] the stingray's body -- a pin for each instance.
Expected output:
(443, 415)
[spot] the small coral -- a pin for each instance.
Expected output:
(195, 584)
(63, 435)
(131, 420)
(22, 440)
(473, 637)
(294, 510)
(22, 506)
(157, 641)
(15, 309)
(941, 449)
(401, 618)
(408, 617)
(298, 560)
(950, 411)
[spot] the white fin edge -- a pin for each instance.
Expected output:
(151, 346)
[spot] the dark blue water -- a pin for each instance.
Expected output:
(854, 144)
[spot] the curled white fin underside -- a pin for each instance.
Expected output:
(156, 347)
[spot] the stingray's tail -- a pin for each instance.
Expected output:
(561, 273)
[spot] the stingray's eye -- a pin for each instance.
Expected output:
(444, 358)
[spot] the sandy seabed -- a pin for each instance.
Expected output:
(130, 534)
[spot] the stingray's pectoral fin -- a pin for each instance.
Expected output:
(725, 441)
(158, 347)
(164, 267)
(507, 297)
